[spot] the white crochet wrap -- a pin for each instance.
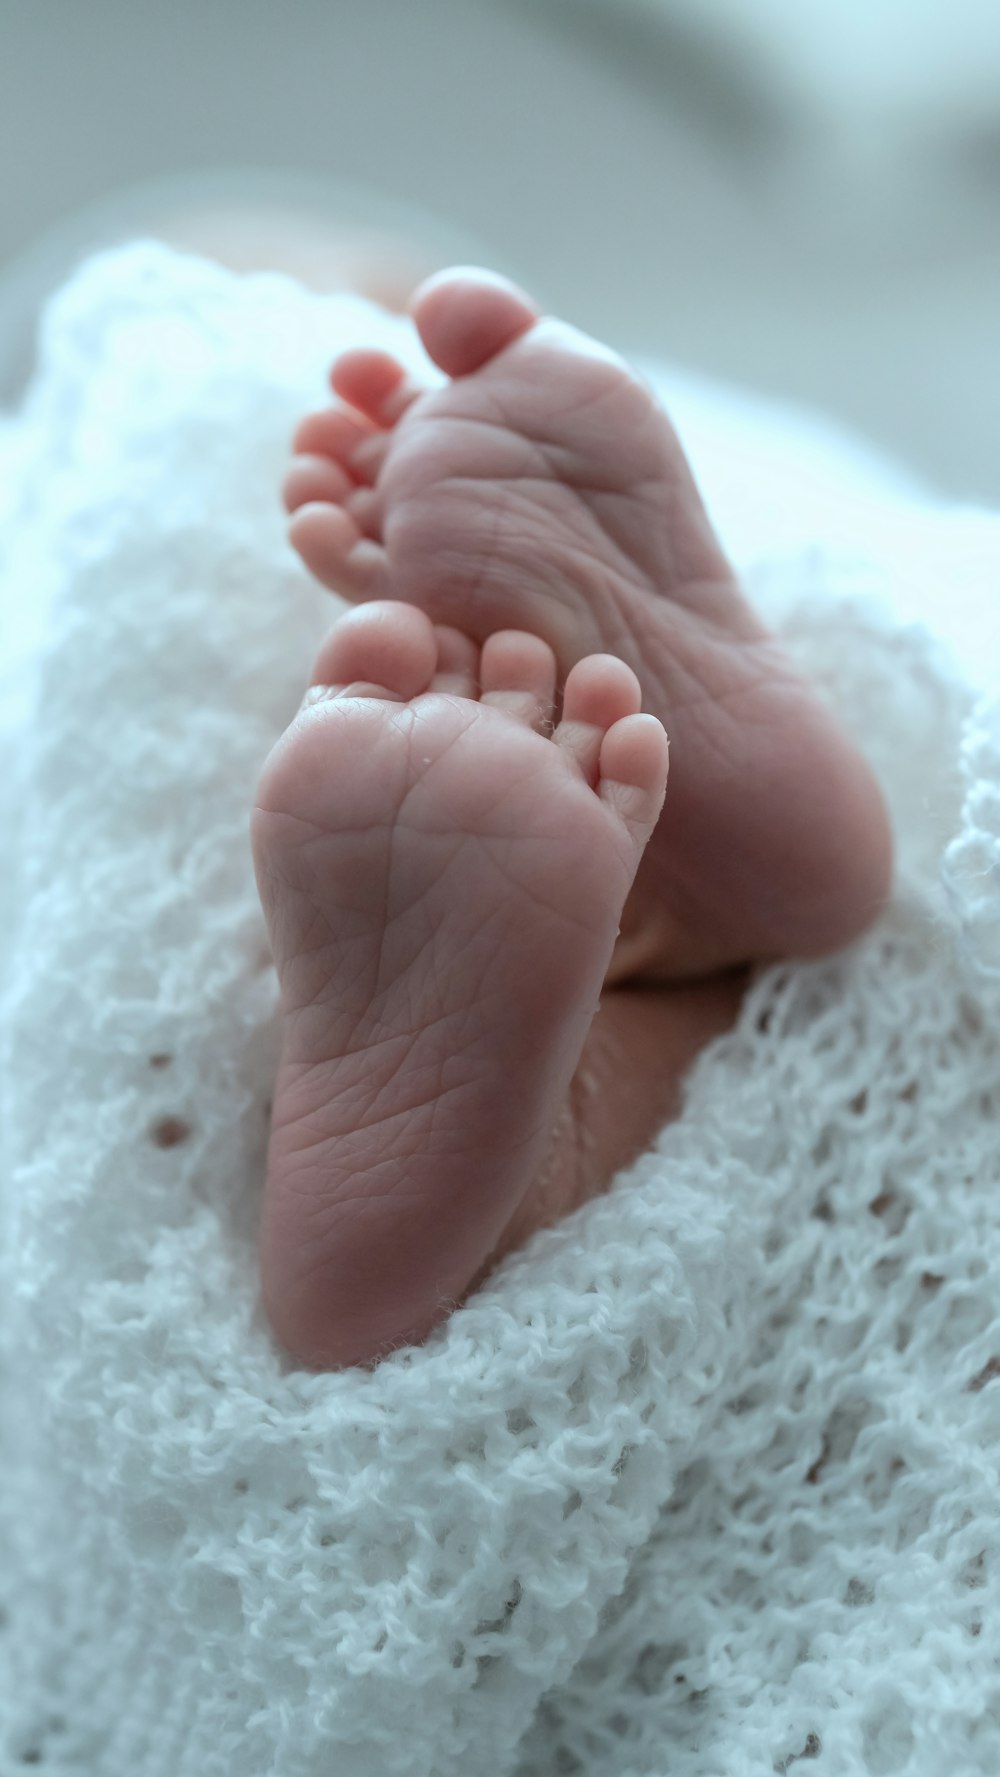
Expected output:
(701, 1484)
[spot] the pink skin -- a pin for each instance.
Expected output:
(451, 832)
(443, 872)
(542, 488)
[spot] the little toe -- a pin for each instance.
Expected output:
(383, 649)
(347, 439)
(365, 508)
(314, 481)
(465, 316)
(634, 761)
(457, 663)
(375, 383)
(517, 673)
(333, 548)
(600, 691)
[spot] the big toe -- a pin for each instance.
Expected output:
(465, 316)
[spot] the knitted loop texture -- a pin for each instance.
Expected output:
(703, 1483)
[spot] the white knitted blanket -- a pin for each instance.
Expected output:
(701, 1484)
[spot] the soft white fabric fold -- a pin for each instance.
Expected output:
(702, 1482)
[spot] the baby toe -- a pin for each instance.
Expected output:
(457, 663)
(333, 548)
(600, 690)
(343, 437)
(633, 765)
(376, 384)
(465, 316)
(383, 649)
(517, 673)
(314, 481)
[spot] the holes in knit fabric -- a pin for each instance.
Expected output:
(858, 1593)
(519, 1421)
(471, 1449)
(689, 1484)
(654, 1663)
(566, 1763)
(621, 1462)
(160, 1060)
(886, 1270)
(989, 1373)
(638, 1359)
(499, 1624)
(891, 1210)
(169, 1132)
(812, 1747)
(488, 1668)
(887, 1738)
(576, 1393)
(972, 1573)
(840, 1435)
(33, 1750)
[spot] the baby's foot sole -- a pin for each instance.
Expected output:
(443, 875)
(543, 488)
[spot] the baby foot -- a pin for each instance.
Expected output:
(543, 488)
(443, 877)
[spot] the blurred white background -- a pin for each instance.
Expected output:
(799, 196)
